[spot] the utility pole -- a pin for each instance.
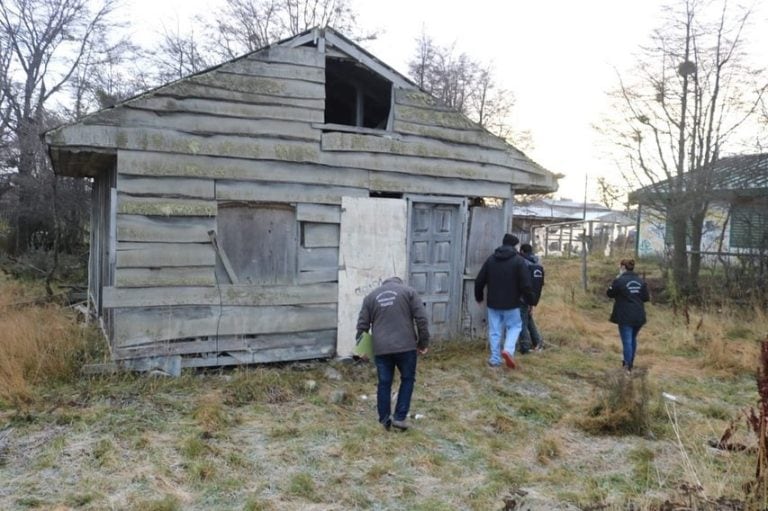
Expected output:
(584, 238)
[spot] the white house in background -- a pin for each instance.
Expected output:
(736, 224)
(555, 227)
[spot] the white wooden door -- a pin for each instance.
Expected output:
(372, 247)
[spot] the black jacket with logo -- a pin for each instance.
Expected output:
(508, 279)
(629, 292)
(537, 277)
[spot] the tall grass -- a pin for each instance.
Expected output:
(37, 343)
(267, 437)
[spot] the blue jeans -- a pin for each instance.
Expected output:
(628, 334)
(510, 322)
(385, 367)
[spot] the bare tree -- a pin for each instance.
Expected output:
(179, 54)
(46, 42)
(243, 26)
(300, 15)
(690, 99)
(609, 194)
(467, 85)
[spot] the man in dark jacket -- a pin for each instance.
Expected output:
(530, 338)
(629, 292)
(389, 312)
(509, 281)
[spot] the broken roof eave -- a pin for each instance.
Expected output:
(81, 162)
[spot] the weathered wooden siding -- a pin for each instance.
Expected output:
(233, 350)
(486, 229)
(136, 326)
(251, 132)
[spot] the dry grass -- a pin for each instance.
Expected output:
(294, 436)
(37, 343)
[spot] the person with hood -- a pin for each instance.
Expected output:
(389, 312)
(530, 338)
(508, 279)
(629, 292)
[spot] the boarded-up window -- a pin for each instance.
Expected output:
(260, 240)
(749, 227)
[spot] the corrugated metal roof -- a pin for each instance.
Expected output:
(746, 173)
(563, 210)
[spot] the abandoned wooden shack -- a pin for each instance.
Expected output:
(240, 214)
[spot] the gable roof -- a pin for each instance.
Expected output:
(88, 151)
(733, 176)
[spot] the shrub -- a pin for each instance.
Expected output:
(621, 407)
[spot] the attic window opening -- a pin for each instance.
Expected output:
(355, 95)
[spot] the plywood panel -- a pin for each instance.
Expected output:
(373, 247)
(320, 235)
(255, 191)
(159, 229)
(145, 255)
(164, 277)
(169, 187)
(305, 294)
(141, 326)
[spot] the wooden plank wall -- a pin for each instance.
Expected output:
(240, 133)
(486, 230)
(251, 130)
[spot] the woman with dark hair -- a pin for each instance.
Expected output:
(629, 292)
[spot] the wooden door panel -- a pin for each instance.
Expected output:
(435, 262)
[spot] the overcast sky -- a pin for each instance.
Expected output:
(557, 56)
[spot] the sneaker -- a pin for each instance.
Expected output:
(494, 364)
(387, 424)
(508, 359)
(539, 347)
(401, 425)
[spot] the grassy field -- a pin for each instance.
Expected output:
(567, 431)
